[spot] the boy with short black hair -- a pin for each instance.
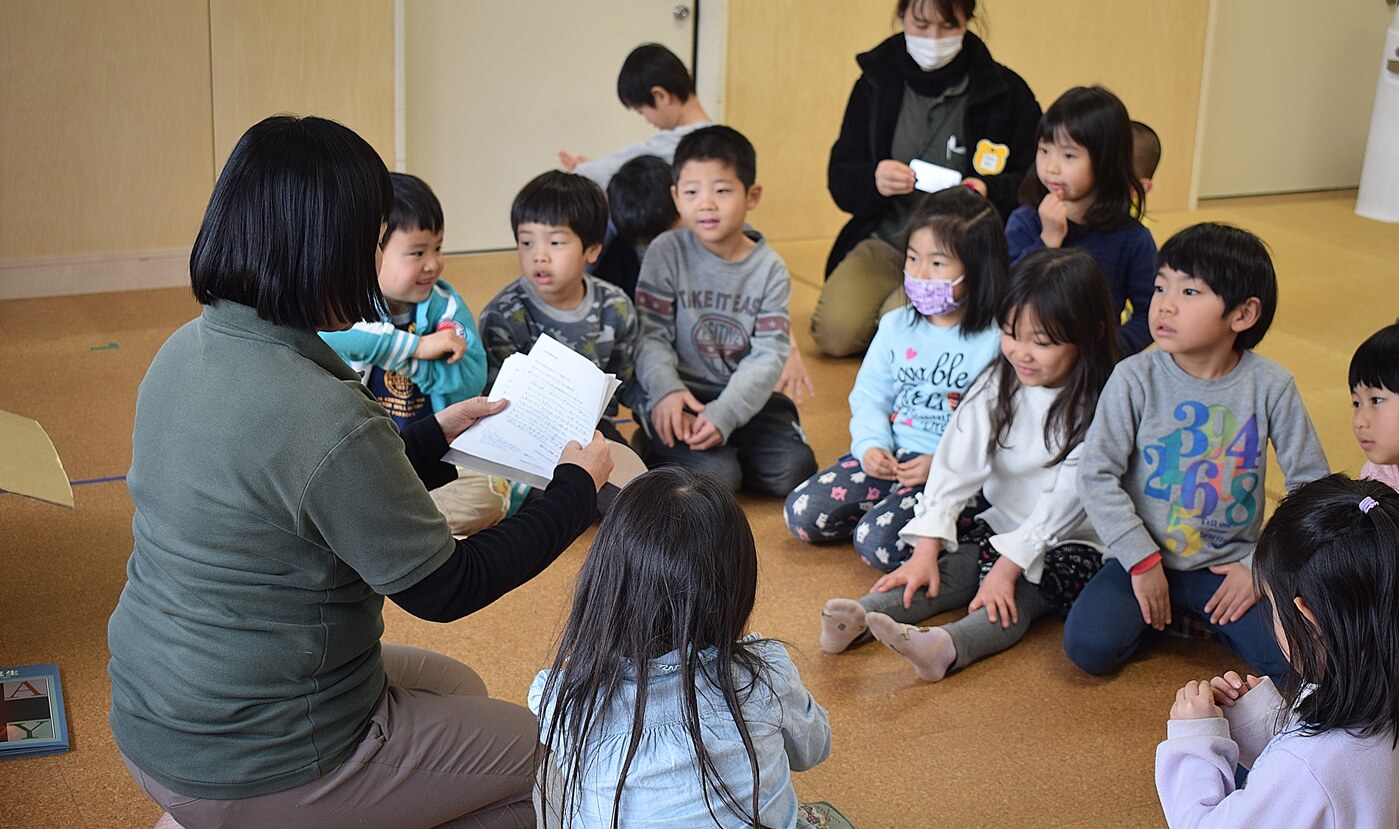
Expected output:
(1172, 474)
(559, 220)
(656, 84)
(639, 203)
(424, 354)
(1146, 153)
(715, 329)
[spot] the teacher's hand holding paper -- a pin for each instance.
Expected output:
(459, 417)
(595, 458)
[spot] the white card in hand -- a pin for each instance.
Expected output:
(933, 177)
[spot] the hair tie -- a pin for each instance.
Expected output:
(1367, 503)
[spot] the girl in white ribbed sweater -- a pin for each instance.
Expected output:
(1021, 549)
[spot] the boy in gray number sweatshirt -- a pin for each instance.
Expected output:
(715, 331)
(1173, 465)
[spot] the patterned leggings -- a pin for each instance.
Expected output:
(842, 502)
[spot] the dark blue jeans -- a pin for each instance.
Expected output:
(768, 454)
(1105, 628)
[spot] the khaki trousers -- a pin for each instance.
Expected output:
(438, 753)
(867, 284)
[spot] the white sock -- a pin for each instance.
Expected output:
(929, 649)
(842, 622)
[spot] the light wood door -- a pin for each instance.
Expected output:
(492, 91)
(1287, 95)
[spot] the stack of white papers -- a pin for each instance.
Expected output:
(556, 395)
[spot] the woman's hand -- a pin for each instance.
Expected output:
(914, 471)
(459, 417)
(879, 463)
(1195, 701)
(1231, 686)
(997, 593)
(595, 458)
(920, 569)
(894, 178)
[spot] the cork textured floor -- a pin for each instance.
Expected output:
(1022, 739)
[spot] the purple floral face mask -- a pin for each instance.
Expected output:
(932, 297)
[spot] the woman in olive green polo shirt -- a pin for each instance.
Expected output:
(276, 505)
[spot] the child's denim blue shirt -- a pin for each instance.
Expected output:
(789, 729)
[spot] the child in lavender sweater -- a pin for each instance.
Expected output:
(1323, 752)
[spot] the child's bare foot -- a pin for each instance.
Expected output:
(842, 622)
(929, 649)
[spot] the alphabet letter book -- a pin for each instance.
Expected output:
(31, 707)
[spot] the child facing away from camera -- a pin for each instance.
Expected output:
(715, 330)
(1374, 395)
(1173, 465)
(1026, 550)
(654, 83)
(558, 220)
(1322, 753)
(670, 713)
(921, 363)
(1084, 193)
(424, 353)
(1146, 154)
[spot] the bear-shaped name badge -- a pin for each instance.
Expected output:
(990, 159)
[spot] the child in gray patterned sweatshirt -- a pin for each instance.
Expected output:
(715, 331)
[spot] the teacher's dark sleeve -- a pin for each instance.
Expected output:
(491, 563)
(425, 445)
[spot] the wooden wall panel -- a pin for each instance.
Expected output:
(332, 58)
(791, 66)
(105, 138)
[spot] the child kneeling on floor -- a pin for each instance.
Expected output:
(1016, 438)
(661, 708)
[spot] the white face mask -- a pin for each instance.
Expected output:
(933, 52)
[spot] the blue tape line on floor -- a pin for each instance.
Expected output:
(83, 483)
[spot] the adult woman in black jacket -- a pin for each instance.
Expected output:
(931, 92)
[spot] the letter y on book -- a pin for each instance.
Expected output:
(556, 395)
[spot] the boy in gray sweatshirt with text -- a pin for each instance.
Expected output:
(1173, 466)
(715, 332)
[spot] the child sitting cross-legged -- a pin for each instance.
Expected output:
(559, 220)
(662, 709)
(922, 361)
(715, 331)
(1026, 550)
(424, 353)
(1173, 465)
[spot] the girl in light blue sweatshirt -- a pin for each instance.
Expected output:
(923, 358)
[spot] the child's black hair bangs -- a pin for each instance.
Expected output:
(564, 200)
(414, 207)
(1376, 362)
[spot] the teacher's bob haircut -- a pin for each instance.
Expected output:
(293, 224)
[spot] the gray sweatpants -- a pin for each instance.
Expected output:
(438, 753)
(974, 635)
